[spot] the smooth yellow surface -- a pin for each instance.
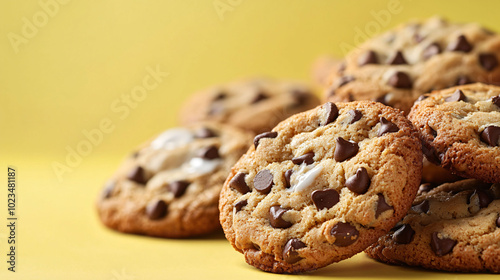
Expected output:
(67, 76)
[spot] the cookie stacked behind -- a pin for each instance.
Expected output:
(321, 186)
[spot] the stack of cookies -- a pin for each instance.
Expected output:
(402, 161)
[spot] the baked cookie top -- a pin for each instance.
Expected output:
(398, 66)
(460, 129)
(454, 227)
(170, 186)
(321, 186)
(256, 104)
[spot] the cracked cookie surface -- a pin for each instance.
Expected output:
(321, 186)
(170, 186)
(460, 129)
(453, 227)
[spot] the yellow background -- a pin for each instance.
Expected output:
(87, 54)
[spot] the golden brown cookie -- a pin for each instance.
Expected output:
(454, 227)
(170, 186)
(321, 186)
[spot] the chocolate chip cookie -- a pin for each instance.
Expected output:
(170, 186)
(453, 227)
(398, 66)
(256, 105)
(460, 129)
(321, 186)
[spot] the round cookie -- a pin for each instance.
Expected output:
(170, 186)
(398, 66)
(460, 129)
(321, 186)
(256, 105)
(453, 227)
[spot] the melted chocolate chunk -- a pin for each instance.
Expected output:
(156, 210)
(382, 206)
(345, 80)
(488, 61)
(422, 207)
(300, 96)
(400, 80)
(431, 50)
(398, 59)
(490, 135)
(370, 57)
(240, 204)
(482, 197)
(432, 131)
(345, 234)
(220, 96)
(496, 100)
(462, 80)
(498, 222)
(276, 217)
(209, 153)
(425, 188)
(290, 254)
(259, 97)
(307, 158)
(460, 45)
(345, 149)
(422, 97)
(270, 134)
(263, 181)
(325, 198)
(403, 235)
(458, 95)
(138, 175)
(359, 182)
(387, 127)
(440, 246)
(381, 99)
(178, 188)
(238, 183)
(204, 133)
(288, 176)
(332, 112)
(356, 115)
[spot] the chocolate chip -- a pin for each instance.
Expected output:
(270, 134)
(400, 80)
(156, 210)
(370, 57)
(460, 45)
(441, 246)
(288, 176)
(496, 100)
(345, 234)
(488, 61)
(332, 112)
(422, 207)
(431, 50)
(418, 38)
(259, 97)
(290, 254)
(307, 158)
(345, 149)
(134, 154)
(359, 182)
(462, 80)
(381, 99)
(398, 59)
(382, 206)
(209, 153)
(403, 235)
(178, 188)
(300, 96)
(220, 96)
(432, 131)
(240, 204)
(325, 198)
(107, 192)
(458, 95)
(498, 222)
(138, 175)
(386, 127)
(483, 198)
(422, 97)
(425, 188)
(263, 181)
(276, 217)
(204, 133)
(430, 155)
(490, 135)
(356, 116)
(238, 183)
(345, 80)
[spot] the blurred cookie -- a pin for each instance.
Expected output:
(460, 129)
(398, 66)
(321, 186)
(323, 67)
(170, 187)
(256, 105)
(454, 227)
